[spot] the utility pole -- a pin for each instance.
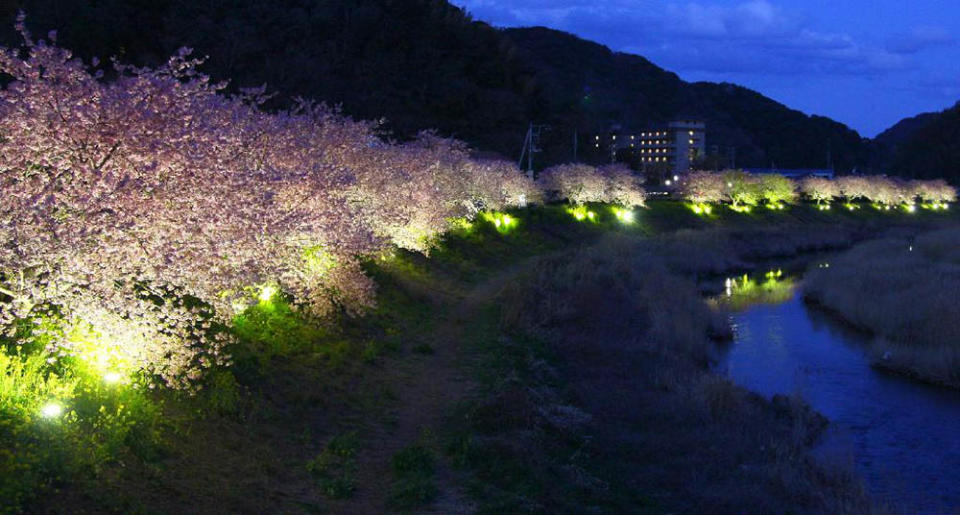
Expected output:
(531, 144)
(526, 144)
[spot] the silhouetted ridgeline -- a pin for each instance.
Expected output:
(926, 146)
(426, 64)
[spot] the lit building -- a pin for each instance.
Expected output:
(675, 146)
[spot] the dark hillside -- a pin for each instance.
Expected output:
(925, 147)
(424, 64)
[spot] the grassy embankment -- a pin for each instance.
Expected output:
(903, 291)
(544, 368)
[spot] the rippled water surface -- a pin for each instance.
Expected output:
(902, 436)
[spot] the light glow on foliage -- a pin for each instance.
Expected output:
(112, 377)
(318, 261)
(104, 354)
(239, 305)
(823, 207)
(503, 222)
(910, 208)
(267, 293)
(51, 410)
(462, 224)
(701, 209)
(624, 215)
(582, 213)
(740, 209)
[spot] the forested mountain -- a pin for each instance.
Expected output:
(426, 64)
(925, 146)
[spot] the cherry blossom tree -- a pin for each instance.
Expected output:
(819, 189)
(702, 187)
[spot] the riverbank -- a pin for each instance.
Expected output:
(899, 435)
(450, 397)
(901, 291)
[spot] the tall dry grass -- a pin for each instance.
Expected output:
(904, 292)
(632, 343)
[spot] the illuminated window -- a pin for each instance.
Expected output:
(614, 136)
(691, 142)
(598, 136)
(631, 136)
(691, 133)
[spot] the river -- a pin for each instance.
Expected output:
(901, 436)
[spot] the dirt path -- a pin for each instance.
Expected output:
(428, 387)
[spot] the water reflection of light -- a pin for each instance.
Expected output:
(743, 291)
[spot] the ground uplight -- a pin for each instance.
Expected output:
(267, 293)
(51, 410)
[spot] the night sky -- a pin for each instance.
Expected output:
(866, 63)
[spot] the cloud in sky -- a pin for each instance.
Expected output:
(920, 38)
(754, 42)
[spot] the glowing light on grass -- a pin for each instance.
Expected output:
(823, 207)
(51, 410)
(624, 215)
(740, 209)
(267, 293)
(581, 213)
(701, 209)
(851, 207)
(501, 221)
(911, 208)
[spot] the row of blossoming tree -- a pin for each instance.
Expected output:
(144, 212)
(743, 191)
